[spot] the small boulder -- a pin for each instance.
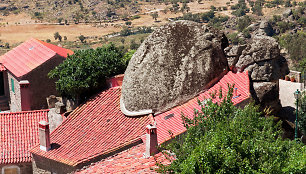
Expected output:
(267, 95)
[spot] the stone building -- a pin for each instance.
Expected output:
(23, 75)
(18, 132)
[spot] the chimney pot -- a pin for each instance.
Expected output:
(44, 136)
(151, 141)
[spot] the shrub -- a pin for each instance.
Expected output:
(239, 12)
(7, 45)
(295, 44)
(56, 35)
(82, 38)
(125, 31)
(243, 22)
(224, 139)
(233, 37)
(134, 45)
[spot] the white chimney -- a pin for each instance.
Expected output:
(151, 141)
(44, 136)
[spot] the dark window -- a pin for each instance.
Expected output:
(1, 84)
(12, 84)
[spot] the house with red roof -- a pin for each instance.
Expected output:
(98, 138)
(19, 133)
(24, 84)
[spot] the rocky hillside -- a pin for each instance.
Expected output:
(70, 10)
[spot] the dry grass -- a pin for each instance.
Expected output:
(18, 28)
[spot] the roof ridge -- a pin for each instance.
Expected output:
(24, 112)
(40, 43)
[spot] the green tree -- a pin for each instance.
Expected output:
(128, 23)
(59, 20)
(133, 45)
(127, 56)
(154, 15)
(84, 72)
(60, 38)
(56, 35)
(125, 31)
(82, 38)
(243, 22)
(295, 44)
(224, 139)
(7, 45)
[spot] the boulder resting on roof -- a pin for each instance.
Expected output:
(174, 64)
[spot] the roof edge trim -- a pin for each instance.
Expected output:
(133, 113)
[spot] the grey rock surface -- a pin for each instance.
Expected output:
(267, 95)
(270, 70)
(262, 59)
(262, 55)
(265, 29)
(175, 63)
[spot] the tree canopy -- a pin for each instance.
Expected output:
(86, 70)
(224, 139)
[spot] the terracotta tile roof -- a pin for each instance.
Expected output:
(172, 121)
(59, 50)
(131, 160)
(96, 128)
(128, 161)
(29, 55)
(18, 133)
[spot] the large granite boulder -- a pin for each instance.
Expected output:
(175, 63)
(262, 59)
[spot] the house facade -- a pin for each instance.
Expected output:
(23, 77)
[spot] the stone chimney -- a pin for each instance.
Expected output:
(151, 141)
(44, 136)
(25, 95)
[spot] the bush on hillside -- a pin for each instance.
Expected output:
(295, 44)
(224, 139)
(243, 22)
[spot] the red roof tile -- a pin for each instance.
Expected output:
(172, 121)
(96, 128)
(128, 161)
(132, 161)
(18, 133)
(29, 55)
(59, 50)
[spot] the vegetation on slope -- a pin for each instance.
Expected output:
(224, 139)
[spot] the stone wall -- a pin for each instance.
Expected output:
(23, 168)
(15, 97)
(43, 165)
(41, 86)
